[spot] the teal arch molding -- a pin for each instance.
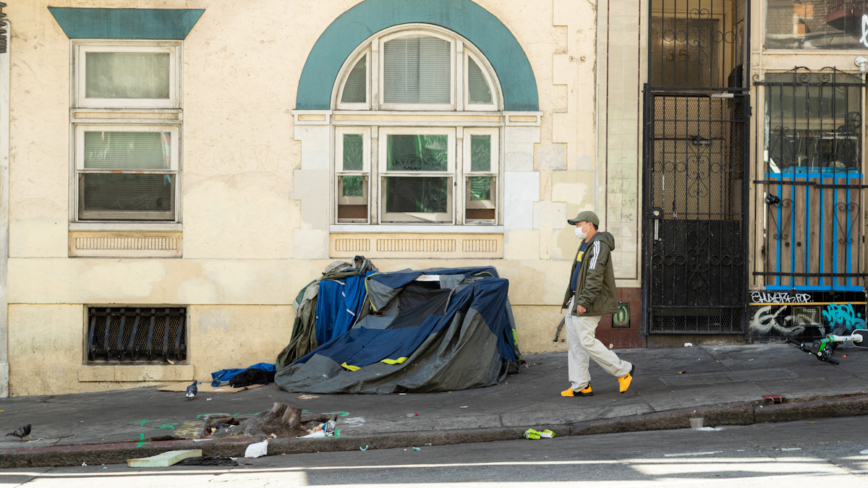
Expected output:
(464, 17)
(126, 23)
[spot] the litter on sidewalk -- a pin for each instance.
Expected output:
(164, 460)
(326, 429)
(536, 435)
(255, 450)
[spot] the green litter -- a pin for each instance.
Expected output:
(536, 435)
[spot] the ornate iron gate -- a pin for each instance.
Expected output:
(812, 182)
(695, 194)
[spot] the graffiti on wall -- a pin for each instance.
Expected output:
(843, 314)
(804, 316)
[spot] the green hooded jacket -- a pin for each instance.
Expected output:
(595, 285)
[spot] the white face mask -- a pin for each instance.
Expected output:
(580, 233)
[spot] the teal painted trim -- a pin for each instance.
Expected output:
(126, 23)
(463, 17)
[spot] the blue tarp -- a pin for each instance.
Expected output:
(223, 376)
(338, 305)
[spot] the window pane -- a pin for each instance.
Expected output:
(480, 92)
(417, 152)
(480, 188)
(127, 75)
(417, 69)
(480, 153)
(354, 152)
(120, 196)
(685, 52)
(128, 150)
(815, 24)
(811, 122)
(353, 186)
(356, 87)
(417, 195)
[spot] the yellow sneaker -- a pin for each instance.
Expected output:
(624, 381)
(570, 393)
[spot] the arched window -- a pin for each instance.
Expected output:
(417, 123)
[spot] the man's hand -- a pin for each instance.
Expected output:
(580, 310)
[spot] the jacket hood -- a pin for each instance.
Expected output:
(607, 238)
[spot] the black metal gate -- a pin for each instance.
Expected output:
(695, 194)
(812, 181)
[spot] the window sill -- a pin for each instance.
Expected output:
(415, 229)
(126, 226)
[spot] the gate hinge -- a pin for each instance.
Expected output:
(750, 112)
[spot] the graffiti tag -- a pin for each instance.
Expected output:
(838, 314)
(780, 297)
(764, 321)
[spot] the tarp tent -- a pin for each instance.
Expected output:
(417, 331)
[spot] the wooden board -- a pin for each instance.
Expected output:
(205, 388)
(164, 460)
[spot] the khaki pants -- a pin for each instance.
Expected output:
(583, 344)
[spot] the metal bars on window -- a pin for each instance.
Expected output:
(136, 334)
(811, 178)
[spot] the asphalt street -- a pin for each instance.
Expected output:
(797, 454)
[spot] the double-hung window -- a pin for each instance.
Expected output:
(126, 131)
(424, 147)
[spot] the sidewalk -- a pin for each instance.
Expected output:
(133, 421)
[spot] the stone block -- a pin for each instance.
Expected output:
(573, 187)
(518, 156)
(314, 147)
(550, 156)
(520, 191)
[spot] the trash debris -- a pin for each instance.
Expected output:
(207, 399)
(687, 344)
(104, 467)
(709, 429)
(307, 397)
(258, 374)
(427, 443)
(365, 448)
(208, 461)
(164, 460)
(255, 450)
(535, 435)
(864, 452)
(844, 356)
(84, 464)
(791, 449)
(412, 414)
(696, 423)
(465, 406)
(402, 394)
(202, 440)
(750, 359)
(322, 430)
(682, 371)
(416, 449)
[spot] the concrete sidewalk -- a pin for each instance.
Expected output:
(739, 376)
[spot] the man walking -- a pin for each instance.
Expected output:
(591, 294)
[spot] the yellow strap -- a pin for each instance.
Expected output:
(351, 368)
(394, 361)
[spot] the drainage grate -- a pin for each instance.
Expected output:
(136, 334)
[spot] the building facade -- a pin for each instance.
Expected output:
(176, 171)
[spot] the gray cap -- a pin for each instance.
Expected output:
(586, 216)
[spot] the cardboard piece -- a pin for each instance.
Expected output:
(164, 460)
(205, 388)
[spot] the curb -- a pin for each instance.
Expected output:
(736, 413)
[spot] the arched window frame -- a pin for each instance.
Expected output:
(462, 50)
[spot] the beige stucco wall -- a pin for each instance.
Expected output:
(242, 63)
